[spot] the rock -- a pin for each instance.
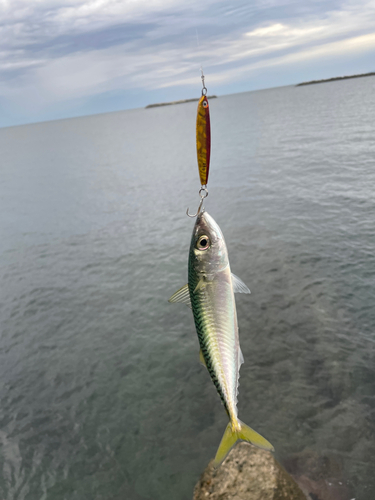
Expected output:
(247, 474)
(320, 477)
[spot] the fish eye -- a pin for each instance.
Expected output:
(203, 243)
(205, 104)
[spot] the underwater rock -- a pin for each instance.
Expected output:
(248, 473)
(319, 476)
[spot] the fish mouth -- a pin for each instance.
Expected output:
(205, 224)
(204, 216)
(203, 220)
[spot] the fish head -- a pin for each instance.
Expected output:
(208, 249)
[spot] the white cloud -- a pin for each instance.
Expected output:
(355, 45)
(68, 16)
(160, 56)
(275, 37)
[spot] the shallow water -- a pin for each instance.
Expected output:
(101, 392)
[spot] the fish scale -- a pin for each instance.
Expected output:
(218, 338)
(206, 331)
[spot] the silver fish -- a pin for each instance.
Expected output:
(210, 294)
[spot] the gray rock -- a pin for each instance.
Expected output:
(247, 474)
(320, 476)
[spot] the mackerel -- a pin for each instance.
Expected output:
(210, 294)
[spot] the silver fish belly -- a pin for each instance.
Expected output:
(213, 306)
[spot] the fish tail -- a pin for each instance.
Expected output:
(241, 432)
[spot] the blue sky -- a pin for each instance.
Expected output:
(63, 58)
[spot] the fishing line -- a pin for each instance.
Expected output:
(196, 32)
(202, 75)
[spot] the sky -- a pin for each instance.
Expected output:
(66, 58)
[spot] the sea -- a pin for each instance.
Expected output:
(102, 396)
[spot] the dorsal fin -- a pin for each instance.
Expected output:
(240, 357)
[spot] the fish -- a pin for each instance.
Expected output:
(203, 137)
(210, 294)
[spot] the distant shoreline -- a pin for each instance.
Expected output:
(177, 102)
(334, 79)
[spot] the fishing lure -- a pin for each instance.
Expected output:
(203, 139)
(203, 136)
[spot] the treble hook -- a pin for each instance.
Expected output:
(198, 211)
(203, 193)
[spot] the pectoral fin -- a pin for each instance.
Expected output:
(201, 283)
(238, 285)
(182, 295)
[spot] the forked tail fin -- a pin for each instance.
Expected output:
(230, 438)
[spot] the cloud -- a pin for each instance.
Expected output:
(55, 51)
(353, 45)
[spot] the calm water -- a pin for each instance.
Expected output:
(101, 392)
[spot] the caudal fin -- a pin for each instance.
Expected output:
(230, 438)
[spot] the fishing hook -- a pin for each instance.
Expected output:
(203, 193)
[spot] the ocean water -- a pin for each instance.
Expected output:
(102, 395)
